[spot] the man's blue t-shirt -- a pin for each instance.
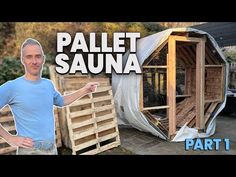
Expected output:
(32, 103)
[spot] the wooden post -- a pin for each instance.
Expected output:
(200, 84)
(153, 81)
(95, 121)
(188, 85)
(159, 83)
(141, 100)
(222, 96)
(171, 85)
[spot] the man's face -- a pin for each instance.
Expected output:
(33, 59)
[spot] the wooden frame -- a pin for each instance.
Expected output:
(200, 84)
(171, 84)
(194, 109)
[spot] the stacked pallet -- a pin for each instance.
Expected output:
(214, 86)
(57, 128)
(7, 121)
(89, 125)
(92, 123)
(185, 114)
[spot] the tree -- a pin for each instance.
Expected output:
(7, 42)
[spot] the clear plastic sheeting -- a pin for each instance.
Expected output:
(126, 90)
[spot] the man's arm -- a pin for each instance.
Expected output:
(6, 91)
(15, 140)
(88, 88)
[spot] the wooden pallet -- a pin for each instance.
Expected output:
(185, 113)
(92, 123)
(57, 128)
(89, 125)
(65, 83)
(7, 121)
(162, 124)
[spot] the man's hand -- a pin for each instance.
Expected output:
(20, 141)
(91, 87)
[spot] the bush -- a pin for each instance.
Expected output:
(50, 60)
(10, 69)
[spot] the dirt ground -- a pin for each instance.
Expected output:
(114, 151)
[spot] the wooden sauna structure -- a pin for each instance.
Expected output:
(183, 81)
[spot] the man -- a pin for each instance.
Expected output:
(31, 99)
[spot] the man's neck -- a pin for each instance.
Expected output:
(32, 77)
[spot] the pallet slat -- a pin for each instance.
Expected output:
(81, 113)
(107, 137)
(104, 108)
(105, 117)
(2, 141)
(7, 150)
(106, 126)
(103, 89)
(85, 145)
(4, 119)
(81, 102)
(86, 133)
(81, 124)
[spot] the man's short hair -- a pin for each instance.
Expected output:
(30, 41)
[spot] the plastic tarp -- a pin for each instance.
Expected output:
(126, 89)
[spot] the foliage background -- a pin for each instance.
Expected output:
(13, 34)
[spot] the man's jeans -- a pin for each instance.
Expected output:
(40, 148)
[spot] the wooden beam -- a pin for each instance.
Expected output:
(200, 84)
(213, 66)
(155, 108)
(182, 96)
(141, 101)
(171, 85)
(155, 67)
(213, 100)
(186, 39)
(222, 80)
(158, 83)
